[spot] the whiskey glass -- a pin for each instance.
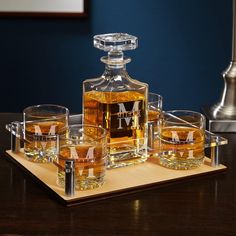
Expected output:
(182, 139)
(86, 146)
(42, 125)
(155, 102)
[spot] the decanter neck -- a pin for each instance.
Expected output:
(114, 70)
(116, 56)
(115, 59)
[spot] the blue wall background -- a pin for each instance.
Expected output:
(184, 45)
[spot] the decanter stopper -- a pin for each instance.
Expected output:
(115, 44)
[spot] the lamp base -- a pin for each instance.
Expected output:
(217, 125)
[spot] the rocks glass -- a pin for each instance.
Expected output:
(182, 138)
(86, 145)
(42, 125)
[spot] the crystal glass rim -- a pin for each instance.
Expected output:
(47, 105)
(188, 112)
(103, 135)
(160, 97)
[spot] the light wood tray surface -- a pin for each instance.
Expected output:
(118, 181)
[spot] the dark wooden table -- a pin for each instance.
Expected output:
(199, 206)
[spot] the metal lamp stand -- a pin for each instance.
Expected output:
(222, 116)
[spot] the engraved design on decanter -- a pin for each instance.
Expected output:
(118, 103)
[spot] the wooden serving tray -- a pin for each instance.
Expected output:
(118, 181)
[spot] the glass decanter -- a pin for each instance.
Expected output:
(118, 103)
